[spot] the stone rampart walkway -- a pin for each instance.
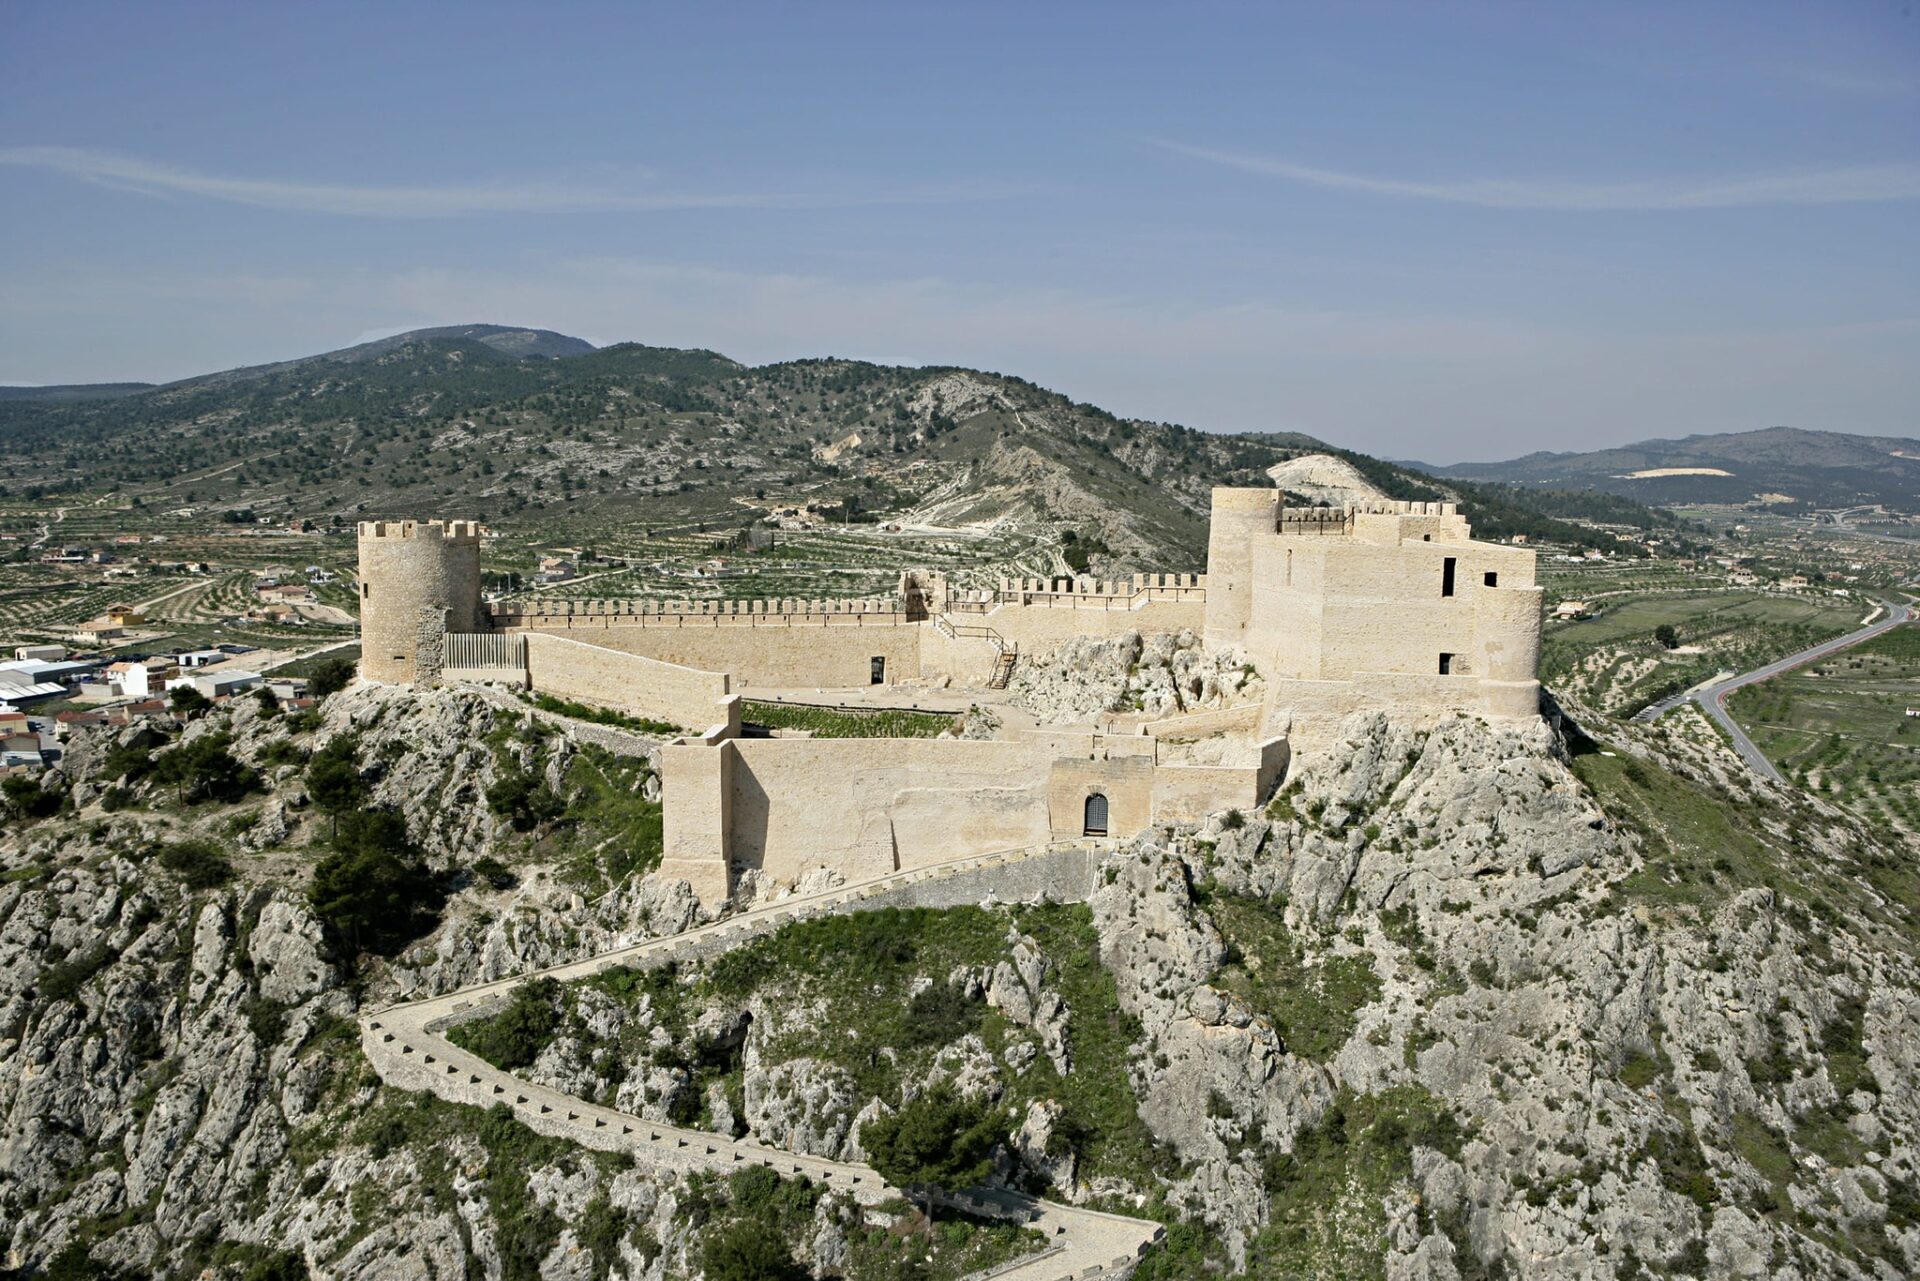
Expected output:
(407, 1047)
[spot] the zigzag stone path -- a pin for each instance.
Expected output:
(407, 1047)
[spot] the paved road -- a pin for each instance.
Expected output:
(1713, 698)
(407, 1046)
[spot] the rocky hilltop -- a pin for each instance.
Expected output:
(1464, 1001)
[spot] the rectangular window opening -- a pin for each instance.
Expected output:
(1446, 664)
(1446, 575)
(1491, 579)
(877, 673)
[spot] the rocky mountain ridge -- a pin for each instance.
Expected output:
(526, 428)
(1777, 465)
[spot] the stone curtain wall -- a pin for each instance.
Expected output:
(814, 644)
(1188, 793)
(1083, 593)
(777, 651)
(867, 807)
(633, 684)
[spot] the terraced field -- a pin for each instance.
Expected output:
(1612, 662)
(53, 604)
(1840, 727)
(1598, 582)
(854, 562)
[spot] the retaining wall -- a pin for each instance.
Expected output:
(632, 683)
(810, 651)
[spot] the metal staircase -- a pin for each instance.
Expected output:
(1005, 652)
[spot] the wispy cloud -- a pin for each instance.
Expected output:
(1850, 185)
(639, 194)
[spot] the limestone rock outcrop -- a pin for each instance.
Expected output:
(1708, 1091)
(1164, 674)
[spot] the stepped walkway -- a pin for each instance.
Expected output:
(408, 1048)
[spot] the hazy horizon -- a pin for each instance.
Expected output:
(1456, 233)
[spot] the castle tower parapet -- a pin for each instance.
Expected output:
(419, 582)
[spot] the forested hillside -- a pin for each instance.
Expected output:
(505, 424)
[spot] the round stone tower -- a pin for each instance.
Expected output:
(1240, 518)
(419, 581)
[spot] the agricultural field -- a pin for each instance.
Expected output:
(1840, 728)
(1597, 582)
(852, 562)
(1612, 662)
(41, 601)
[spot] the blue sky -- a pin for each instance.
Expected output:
(1441, 231)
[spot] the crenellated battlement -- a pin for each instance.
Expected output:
(1083, 593)
(517, 613)
(1075, 593)
(1311, 521)
(460, 532)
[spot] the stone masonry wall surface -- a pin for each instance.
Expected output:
(638, 685)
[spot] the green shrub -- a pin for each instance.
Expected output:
(495, 873)
(131, 761)
(515, 1037)
(284, 751)
(373, 893)
(333, 777)
(330, 677)
(603, 716)
(200, 865)
(940, 1014)
(188, 701)
(746, 1251)
(849, 722)
(524, 801)
(937, 1139)
(205, 769)
(25, 798)
(63, 980)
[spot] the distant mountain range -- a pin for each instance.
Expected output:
(1780, 465)
(550, 433)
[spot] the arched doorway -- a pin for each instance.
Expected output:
(1096, 824)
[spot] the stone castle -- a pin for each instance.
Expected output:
(1372, 605)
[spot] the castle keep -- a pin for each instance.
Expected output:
(1375, 604)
